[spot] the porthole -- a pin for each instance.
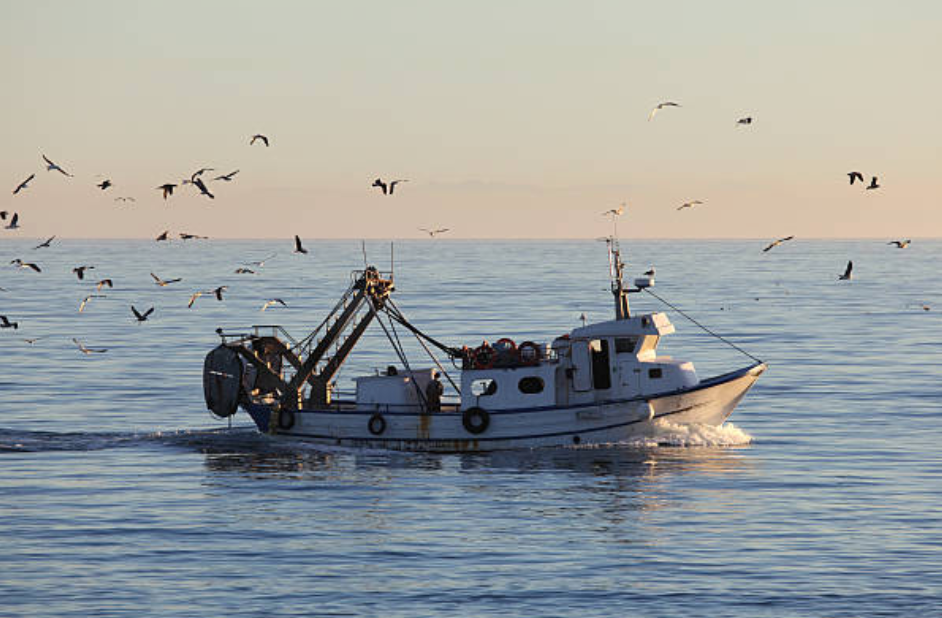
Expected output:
(530, 385)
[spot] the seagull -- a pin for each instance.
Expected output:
(84, 350)
(900, 244)
(202, 187)
(6, 323)
(164, 283)
(273, 301)
(379, 183)
(165, 235)
(104, 184)
(186, 236)
(297, 245)
(141, 317)
(103, 283)
(855, 176)
(124, 199)
(258, 136)
(87, 299)
(615, 212)
(45, 244)
(689, 204)
(167, 188)
(746, 120)
(23, 184)
(50, 166)
(23, 264)
(434, 233)
(226, 177)
(848, 272)
(392, 185)
(244, 271)
(80, 271)
(218, 291)
(650, 272)
(14, 222)
(193, 298)
(873, 183)
(776, 243)
(32, 340)
(661, 106)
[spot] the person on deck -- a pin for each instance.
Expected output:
(433, 393)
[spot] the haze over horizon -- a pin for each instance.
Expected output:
(510, 120)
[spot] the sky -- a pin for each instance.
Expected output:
(510, 119)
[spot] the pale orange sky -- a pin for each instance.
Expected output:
(510, 119)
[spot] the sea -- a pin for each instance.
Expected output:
(121, 495)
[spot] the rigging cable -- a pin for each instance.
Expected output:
(422, 343)
(720, 337)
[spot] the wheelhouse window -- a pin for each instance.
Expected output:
(530, 385)
(656, 373)
(625, 345)
(483, 387)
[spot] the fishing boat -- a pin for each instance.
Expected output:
(601, 383)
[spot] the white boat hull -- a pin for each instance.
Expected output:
(709, 403)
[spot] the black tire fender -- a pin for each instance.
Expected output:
(376, 424)
(476, 420)
(285, 419)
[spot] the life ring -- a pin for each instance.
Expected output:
(285, 419)
(529, 353)
(484, 357)
(476, 420)
(376, 424)
(506, 353)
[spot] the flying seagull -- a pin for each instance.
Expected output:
(746, 120)
(167, 188)
(435, 232)
(661, 106)
(124, 199)
(200, 172)
(258, 136)
(244, 271)
(193, 298)
(23, 184)
(776, 243)
(86, 300)
(45, 244)
(141, 317)
(103, 283)
(650, 272)
(186, 236)
(104, 184)
(855, 176)
(165, 235)
(392, 185)
(50, 166)
(85, 350)
(80, 271)
(273, 301)
(14, 222)
(689, 204)
(23, 264)
(164, 283)
(297, 245)
(6, 323)
(616, 212)
(226, 177)
(900, 244)
(848, 272)
(388, 188)
(261, 263)
(873, 183)
(217, 292)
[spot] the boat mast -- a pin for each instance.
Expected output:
(615, 269)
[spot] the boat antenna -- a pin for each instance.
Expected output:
(392, 260)
(363, 248)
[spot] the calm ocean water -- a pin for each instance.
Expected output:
(120, 495)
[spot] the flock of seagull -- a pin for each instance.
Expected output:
(198, 180)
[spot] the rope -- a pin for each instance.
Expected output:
(429, 352)
(707, 330)
(402, 357)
